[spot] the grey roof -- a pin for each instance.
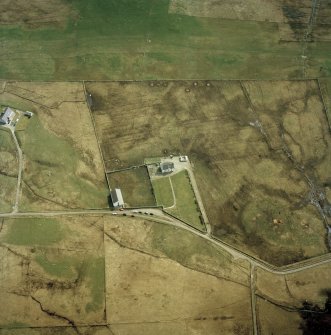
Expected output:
(7, 115)
(167, 166)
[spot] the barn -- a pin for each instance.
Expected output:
(117, 198)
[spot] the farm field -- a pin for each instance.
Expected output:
(255, 168)
(8, 171)
(135, 186)
(52, 272)
(75, 272)
(62, 163)
(276, 302)
(146, 39)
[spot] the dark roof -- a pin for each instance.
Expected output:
(167, 165)
(116, 196)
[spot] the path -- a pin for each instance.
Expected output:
(173, 195)
(20, 169)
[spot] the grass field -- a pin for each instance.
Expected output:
(58, 262)
(135, 186)
(8, 171)
(186, 207)
(163, 192)
(146, 39)
(53, 142)
(239, 137)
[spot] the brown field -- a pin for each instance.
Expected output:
(135, 186)
(293, 289)
(162, 285)
(52, 271)
(8, 171)
(57, 271)
(62, 162)
(275, 320)
(289, 291)
(256, 168)
(35, 13)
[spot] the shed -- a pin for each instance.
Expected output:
(167, 167)
(117, 198)
(7, 116)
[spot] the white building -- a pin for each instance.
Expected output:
(8, 116)
(117, 198)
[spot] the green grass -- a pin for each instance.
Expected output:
(186, 248)
(96, 275)
(135, 186)
(163, 192)
(6, 141)
(186, 208)
(62, 267)
(52, 162)
(34, 231)
(110, 40)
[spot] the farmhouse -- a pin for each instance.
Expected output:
(167, 167)
(7, 116)
(117, 198)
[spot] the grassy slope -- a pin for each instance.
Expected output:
(138, 39)
(47, 157)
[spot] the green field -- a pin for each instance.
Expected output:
(139, 39)
(184, 205)
(162, 192)
(135, 186)
(47, 156)
(34, 232)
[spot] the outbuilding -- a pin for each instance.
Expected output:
(117, 198)
(8, 116)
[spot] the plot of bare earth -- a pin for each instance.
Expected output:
(62, 163)
(260, 153)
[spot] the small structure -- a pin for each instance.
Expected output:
(167, 167)
(28, 114)
(183, 158)
(7, 116)
(117, 198)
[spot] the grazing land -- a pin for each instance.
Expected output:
(8, 171)
(78, 271)
(62, 163)
(278, 304)
(146, 39)
(52, 272)
(135, 186)
(256, 169)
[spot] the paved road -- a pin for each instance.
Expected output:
(162, 217)
(253, 299)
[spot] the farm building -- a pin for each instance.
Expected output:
(7, 116)
(117, 198)
(167, 167)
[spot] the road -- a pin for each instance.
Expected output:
(161, 217)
